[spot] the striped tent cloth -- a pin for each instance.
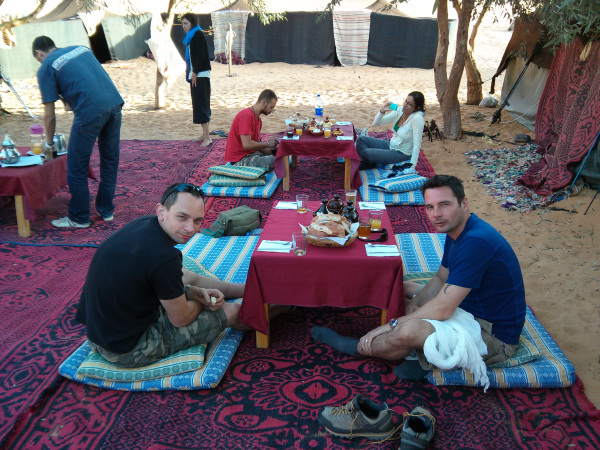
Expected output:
(220, 23)
(351, 33)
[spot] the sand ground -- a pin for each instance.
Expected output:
(558, 251)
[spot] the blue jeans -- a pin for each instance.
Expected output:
(107, 129)
(377, 151)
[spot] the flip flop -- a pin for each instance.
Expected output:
(218, 133)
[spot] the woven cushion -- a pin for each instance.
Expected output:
(245, 172)
(222, 180)
(421, 252)
(370, 194)
(265, 191)
(96, 366)
(401, 183)
(229, 259)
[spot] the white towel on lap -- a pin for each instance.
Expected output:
(457, 342)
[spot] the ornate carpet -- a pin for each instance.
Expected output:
(268, 398)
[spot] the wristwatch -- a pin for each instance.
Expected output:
(187, 291)
(393, 323)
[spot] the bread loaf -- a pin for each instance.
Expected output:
(329, 225)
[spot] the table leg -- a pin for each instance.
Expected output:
(294, 161)
(262, 340)
(286, 178)
(22, 222)
(383, 316)
(347, 173)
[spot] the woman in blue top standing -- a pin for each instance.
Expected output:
(405, 144)
(197, 73)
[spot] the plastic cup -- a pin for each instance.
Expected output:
(299, 244)
(302, 203)
(299, 130)
(364, 227)
(375, 216)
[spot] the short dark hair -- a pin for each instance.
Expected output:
(419, 99)
(267, 95)
(454, 183)
(169, 197)
(191, 18)
(43, 44)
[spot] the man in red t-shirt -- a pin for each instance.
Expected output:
(244, 147)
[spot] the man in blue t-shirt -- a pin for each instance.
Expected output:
(479, 273)
(74, 75)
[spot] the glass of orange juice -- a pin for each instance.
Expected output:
(375, 217)
(36, 147)
(299, 130)
(327, 132)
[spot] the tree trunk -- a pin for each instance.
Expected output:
(447, 86)
(25, 19)
(474, 81)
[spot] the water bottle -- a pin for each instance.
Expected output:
(319, 109)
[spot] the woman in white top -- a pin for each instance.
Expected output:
(405, 144)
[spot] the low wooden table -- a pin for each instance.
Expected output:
(344, 277)
(32, 186)
(309, 145)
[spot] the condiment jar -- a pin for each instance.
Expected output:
(37, 138)
(350, 213)
(335, 205)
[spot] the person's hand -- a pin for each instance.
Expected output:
(194, 76)
(409, 171)
(272, 144)
(365, 344)
(205, 297)
(385, 107)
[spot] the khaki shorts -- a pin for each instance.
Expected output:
(257, 159)
(497, 350)
(162, 339)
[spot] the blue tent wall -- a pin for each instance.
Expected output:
(297, 40)
(396, 41)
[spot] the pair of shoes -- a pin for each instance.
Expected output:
(108, 218)
(410, 370)
(418, 429)
(360, 417)
(218, 133)
(65, 222)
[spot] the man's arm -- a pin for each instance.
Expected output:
(440, 307)
(229, 290)
(49, 122)
(431, 289)
(182, 311)
(268, 148)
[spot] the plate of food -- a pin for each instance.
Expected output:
(296, 119)
(316, 131)
(331, 230)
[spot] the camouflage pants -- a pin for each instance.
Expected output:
(162, 339)
(257, 159)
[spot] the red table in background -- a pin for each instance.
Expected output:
(344, 277)
(32, 186)
(309, 145)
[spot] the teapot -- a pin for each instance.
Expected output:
(335, 205)
(10, 154)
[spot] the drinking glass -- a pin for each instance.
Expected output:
(351, 196)
(289, 132)
(364, 227)
(299, 244)
(299, 130)
(375, 216)
(302, 203)
(326, 132)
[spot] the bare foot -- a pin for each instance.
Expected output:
(206, 142)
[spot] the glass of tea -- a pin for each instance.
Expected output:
(299, 244)
(302, 203)
(289, 131)
(364, 227)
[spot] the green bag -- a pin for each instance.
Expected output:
(235, 222)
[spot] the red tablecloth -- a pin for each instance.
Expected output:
(36, 184)
(309, 145)
(344, 277)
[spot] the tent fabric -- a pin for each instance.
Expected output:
(126, 38)
(524, 101)
(351, 34)
(220, 23)
(383, 7)
(297, 40)
(396, 41)
(567, 120)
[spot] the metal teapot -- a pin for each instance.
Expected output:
(9, 153)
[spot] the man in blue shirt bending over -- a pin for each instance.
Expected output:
(479, 273)
(74, 75)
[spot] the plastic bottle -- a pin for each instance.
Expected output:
(319, 109)
(37, 139)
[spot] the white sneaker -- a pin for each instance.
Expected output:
(108, 218)
(365, 132)
(65, 222)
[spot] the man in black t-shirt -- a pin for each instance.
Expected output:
(138, 303)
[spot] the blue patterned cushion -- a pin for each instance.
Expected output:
(245, 172)
(265, 191)
(229, 259)
(401, 183)
(222, 180)
(421, 252)
(370, 194)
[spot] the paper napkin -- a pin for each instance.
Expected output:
(381, 250)
(345, 138)
(371, 205)
(343, 123)
(286, 205)
(293, 138)
(275, 246)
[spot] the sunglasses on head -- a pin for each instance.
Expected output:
(183, 187)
